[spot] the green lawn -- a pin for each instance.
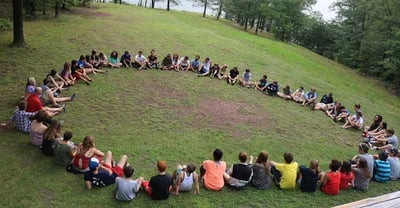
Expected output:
(178, 117)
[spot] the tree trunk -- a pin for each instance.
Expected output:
(245, 24)
(18, 26)
(44, 7)
(219, 9)
(205, 8)
(145, 3)
(153, 2)
(120, 1)
(168, 5)
(57, 9)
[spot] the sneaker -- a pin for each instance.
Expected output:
(73, 97)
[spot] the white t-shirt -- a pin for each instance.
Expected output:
(140, 58)
(126, 189)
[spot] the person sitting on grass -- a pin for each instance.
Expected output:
(286, 93)
(214, 71)
(29, 87)
(375, 124)
(34, 104)
(394, 164)
(140, 61)
(261, 172)
(126, 59)
(272, 88)
(113, 61)
(47, 96)
(284, 174)
(246, 80)
(55, 81)
(379, 132)
(239, 175)
(309, 177)
(310, 97)
(222, 72)
(103, 174)
(52, 133)
(186, 177)
(343, 114)
(126, 189)
(21, 118)
(330, 180)
(382, 168)
(363, 153)
(195, 64)
(355, 121)
(175, 62)
(94, 59)
(334, 110)
(87, 67)
(324, 102)
(233, 76)
(152, 60)
(37, 129)
(184, 64)
(103, 60)
(64, 150)
(159, 186)
(298, 95)
(347, 176)
(205, 67)
(66, 74)
(362, 175)
(86, 150)
(212, 172)
(390, 141)
(262, 84)
(79, 74)
(166, 63)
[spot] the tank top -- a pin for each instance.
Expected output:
(332, 186)
(187, 182)
(36, 138)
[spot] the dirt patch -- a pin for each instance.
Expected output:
(46, 195)
(227, 116)
(86, 11)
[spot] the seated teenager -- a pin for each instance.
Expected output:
(375, 124)
(343, 114)
(103, 60)
(52, 133)
(94, 59)
(55, 81)
(126, 59)
(66, 74)
(388, 142)
(152, 61)
(47, 96)
(382, 168)
(212, 171)
(347, 176)
(324, 102)
(34, 104)
(363, 154)
(285, 174)
(309, 177)
(334, 110)
(85, 66)
(272, 88)
(355, 121)
(378, 132)
(184, 64)
(205, 67)
(30, 87)
(261, 172)
(222, 72)
(127, 188)
(37, 129)
(262, 84)
(298, 95)
(362, 175)
(394, 164)
(166, 63)
(140, 61)
(330, 180)
(113, 61)
(195, 64)
(310, 97)
(233, 76)
(78, 73)
(186, 178)
(214, 71)
(175, 61)
(64, 150)
(286, 93)
(239, 175)
(159, 186)
(103, 174)
(21, 118)
(246, 79)
(86, 150)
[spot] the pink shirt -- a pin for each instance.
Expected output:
(214, 176)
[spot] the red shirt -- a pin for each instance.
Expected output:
(332, 185)
(346, 179)
(33, 103)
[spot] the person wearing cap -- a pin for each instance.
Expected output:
(394, 164)
(363, 153)
(160, 185)
(104, 174)
(382, 168)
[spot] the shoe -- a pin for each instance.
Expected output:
(63, 107)
(375, 148)
(370, 145)
(73, 97)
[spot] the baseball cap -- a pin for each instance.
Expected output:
(93, 163)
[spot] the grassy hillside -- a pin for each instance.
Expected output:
(178, 117)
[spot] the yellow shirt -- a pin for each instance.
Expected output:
(289, 174)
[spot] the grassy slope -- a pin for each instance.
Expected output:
(137, 113)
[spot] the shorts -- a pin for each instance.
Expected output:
(116, 170)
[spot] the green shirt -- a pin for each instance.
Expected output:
(61, 153)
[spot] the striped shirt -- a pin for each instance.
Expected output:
(382, 171)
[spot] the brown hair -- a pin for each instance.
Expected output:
(161, 166)
(88, 142)
(242, 157)
(53, 131)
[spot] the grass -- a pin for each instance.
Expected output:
(153, 115)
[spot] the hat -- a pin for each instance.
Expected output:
(93, 163)
(394, 151)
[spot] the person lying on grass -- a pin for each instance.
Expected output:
(240, 174)
(160, 185)
(185, 179)
(212, 171)
(86, 150)
(103, 174)
(285, 174)
(126, 188)
(330, 180)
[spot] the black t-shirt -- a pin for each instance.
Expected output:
(47, 147)
(159, 185)
(101, 179)
(309, 180)
(233, 73)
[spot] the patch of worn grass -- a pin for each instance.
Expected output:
(152, 115)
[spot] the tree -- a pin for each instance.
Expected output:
(174, 2)
(18, 27)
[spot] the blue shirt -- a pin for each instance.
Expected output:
(382, 171)
(195, 63)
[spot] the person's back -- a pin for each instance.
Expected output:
(361, 175)
(63, 150)
(126, 188)
(330, 183)
(382, 168)
(241, 173)
(214, 172)
(261, 177)
(347, 176)
(394, 164)
(288, 172)
(160, 184)
(309, 177)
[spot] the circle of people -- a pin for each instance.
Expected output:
(34, 116)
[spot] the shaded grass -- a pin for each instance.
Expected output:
(138, 113)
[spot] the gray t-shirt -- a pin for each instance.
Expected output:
(393, 141)
(394, 168)
(370, 161)
(126, 189)
(360, 182)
